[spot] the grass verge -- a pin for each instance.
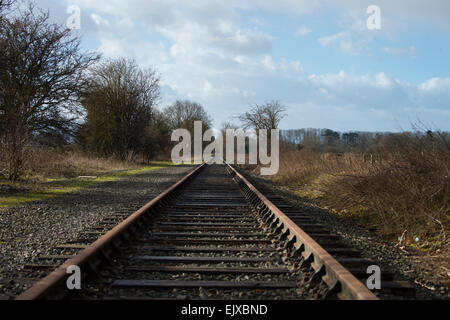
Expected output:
(49, 187)
(404, 195)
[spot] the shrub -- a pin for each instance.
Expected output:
(402, 189)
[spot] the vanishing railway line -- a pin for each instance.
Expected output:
(212, 235)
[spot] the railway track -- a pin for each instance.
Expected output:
(212, 235)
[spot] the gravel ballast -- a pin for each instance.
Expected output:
(33, 229)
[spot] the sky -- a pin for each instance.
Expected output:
(318, 58)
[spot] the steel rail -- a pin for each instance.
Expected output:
(340, 281)
(57, 279)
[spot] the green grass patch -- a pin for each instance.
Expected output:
(312, 187)
(54, 187)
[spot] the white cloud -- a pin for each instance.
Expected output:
(401, 52)
(215, 23)
(437, 11)
(303, 31)
(326, 41)
(227, 85)
(226, 37)
(382, 80)
(350, 41)
(161, 12)
(207, 87)
(268, 63)
(204, 53)
(99, 21)
(436, 84)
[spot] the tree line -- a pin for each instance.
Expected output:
(330, 141)
(53, 94)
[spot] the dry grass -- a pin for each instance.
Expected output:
(48, 163)
(404, 192)
(51, 172)
(46, 167)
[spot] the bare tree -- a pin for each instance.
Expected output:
(41, 80)
(120, 106)
(183, 114)
(267, 116)
(5, 5)
(226, 125)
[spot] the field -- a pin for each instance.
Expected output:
(402, 194)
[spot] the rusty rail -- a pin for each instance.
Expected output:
(340, 281)
(89, 256)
